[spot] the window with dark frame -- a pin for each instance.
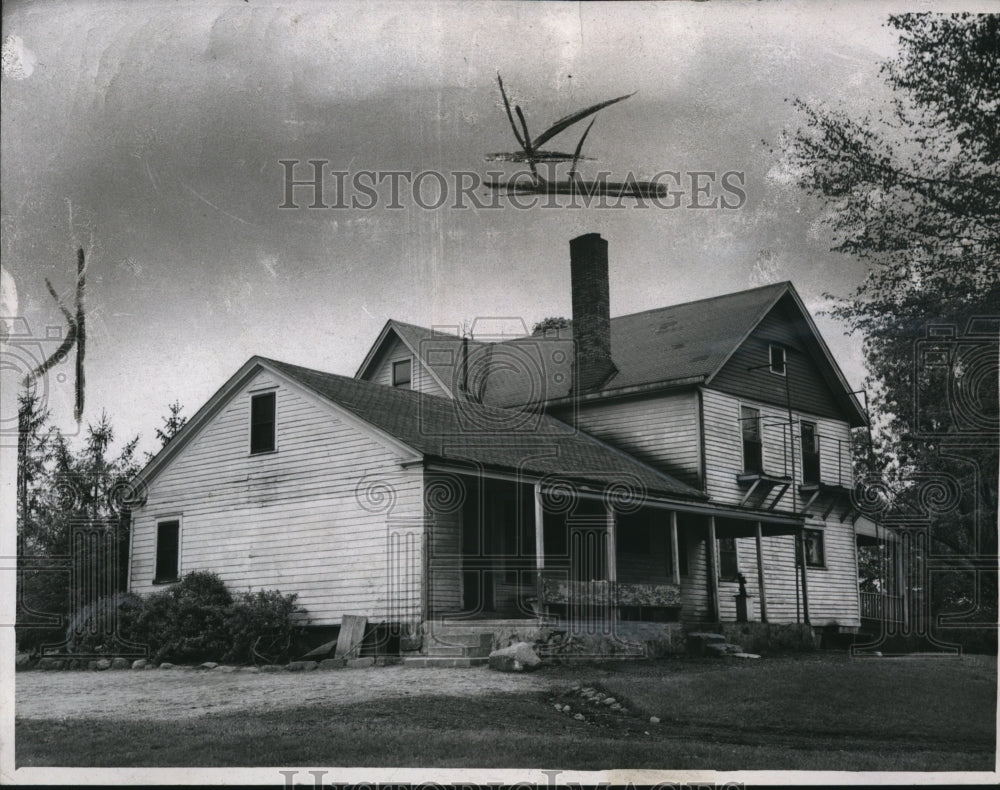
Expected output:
(729, 568)
(810, 452)
(262, 423)
(777, 360)
(402, 373)
(167, 552)
(753, 450)
(815, 555)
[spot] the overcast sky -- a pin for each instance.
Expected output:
(150, 133)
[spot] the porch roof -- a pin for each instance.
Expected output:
(522, 441)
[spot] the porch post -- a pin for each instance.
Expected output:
(802, 571)
(612, 572)
(901, 580)
(539, 548)
(713, 571)
(760, 576)
(675, 553)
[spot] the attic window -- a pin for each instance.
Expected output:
(262, 421)
(777, 360)
(402, 372)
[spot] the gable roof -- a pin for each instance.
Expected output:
(677, 345)
(459, 431)
(437, 352)
(450, 431)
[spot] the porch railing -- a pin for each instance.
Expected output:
(881, 606)
(565, 591)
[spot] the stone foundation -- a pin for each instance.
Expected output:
(624, 640)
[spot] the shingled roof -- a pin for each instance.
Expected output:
(457, 431)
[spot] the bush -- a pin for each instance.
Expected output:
(195, 620)
(260, 626)
(101, 627)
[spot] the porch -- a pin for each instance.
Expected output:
(558, 553)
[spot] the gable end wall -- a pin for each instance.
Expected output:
(297, 520)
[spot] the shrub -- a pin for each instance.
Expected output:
(260, 627)
(104, 625)
(195, 620)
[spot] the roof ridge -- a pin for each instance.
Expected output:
(782, 283)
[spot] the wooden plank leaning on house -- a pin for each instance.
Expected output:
(352, 632)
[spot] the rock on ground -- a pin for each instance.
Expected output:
(518, 657)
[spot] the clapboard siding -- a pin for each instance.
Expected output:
(396, 350)
(724, 447)
(444, 563)
(660, 430)
(807, 387)
(832, 589)
(694, 582)
(297, 520)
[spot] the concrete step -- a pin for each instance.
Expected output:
(456, 650)
(444, 661)
(466, 639)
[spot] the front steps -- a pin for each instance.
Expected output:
(453, 645)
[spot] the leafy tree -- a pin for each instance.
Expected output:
(913, 189)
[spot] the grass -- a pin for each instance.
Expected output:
(810, 713)
(935, 700)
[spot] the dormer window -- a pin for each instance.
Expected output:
(402, 372)
(777, 360)
(262, 422)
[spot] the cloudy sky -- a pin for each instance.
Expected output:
(151, 134)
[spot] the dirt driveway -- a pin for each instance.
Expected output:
(178, 694)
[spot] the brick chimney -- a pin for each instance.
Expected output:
(588, 256)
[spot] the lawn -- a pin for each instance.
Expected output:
(818, 712)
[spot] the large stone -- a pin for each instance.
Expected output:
(332, 663)
(167, 665)
(302, 666)
(120, 663)
(226, 668)
(270, 668)
(46, 663)
(23, 661)
(140, 663)
(207, 665)
(518, 657)
(102, 664)
(361, 663)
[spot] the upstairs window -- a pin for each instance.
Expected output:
(402, 372)
(777, 359)
(810, 452)
(729, 569)
(812, 540)
(262, 423)
(167, 552)
(753, 451)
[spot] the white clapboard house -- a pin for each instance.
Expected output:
(635, 468)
